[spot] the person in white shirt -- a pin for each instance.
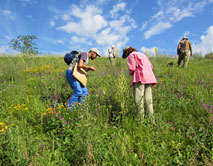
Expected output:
(112, 55)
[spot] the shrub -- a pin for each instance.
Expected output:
(209, 55)
(198, 56)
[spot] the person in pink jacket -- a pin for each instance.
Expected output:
(143, 78)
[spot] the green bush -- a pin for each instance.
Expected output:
(197, 56)
(209, 55)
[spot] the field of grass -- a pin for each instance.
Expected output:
(36, 128)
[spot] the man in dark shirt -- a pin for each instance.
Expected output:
(80, 91)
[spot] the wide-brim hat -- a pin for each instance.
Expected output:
(96, 51)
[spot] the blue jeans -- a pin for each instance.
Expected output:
(80, 91)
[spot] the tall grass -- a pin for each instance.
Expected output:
(36, 128)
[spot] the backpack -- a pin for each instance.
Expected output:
(72, 57)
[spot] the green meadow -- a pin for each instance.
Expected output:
(36, 128)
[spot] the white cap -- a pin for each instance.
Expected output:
(96, 51)
(113, 46)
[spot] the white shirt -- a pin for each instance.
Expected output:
(111, 53)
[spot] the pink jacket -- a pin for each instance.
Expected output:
(140, 68)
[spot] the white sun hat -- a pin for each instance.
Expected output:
(96, 51)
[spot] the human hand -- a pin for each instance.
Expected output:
(92, 68)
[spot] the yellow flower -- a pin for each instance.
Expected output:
(23, 105)
(1, 123)
(43, 114)
(26, 109)
(6, 127)
(2, 130)
(48, 109)
(50, 112)
(12, 125)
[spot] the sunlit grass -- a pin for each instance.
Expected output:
(37, 128)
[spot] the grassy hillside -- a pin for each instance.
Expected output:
(36, 128)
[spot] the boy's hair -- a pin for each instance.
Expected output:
(128, 51)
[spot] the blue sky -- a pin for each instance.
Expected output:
(65, 25)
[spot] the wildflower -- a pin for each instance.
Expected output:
(23, 105)
(2, 130)
(51, 112)
(43, 114)
(26, 109)
(6, 127)
(1, 123)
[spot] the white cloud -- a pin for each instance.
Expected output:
(156, 29)
(6, 49)
(66, 17)
(206, 44)
(27, 2)
(118, 7)
(94, 2)
(3, 49)
(170, 12)
(54, 9)
(186, 33)
(89, 26)
(150, 50)
(60, 41)
(90, 21)
(78, 39)
(144, 25)
(52, 23)
(116, 33)
(7, 37)
(8, 14)
(107, 37)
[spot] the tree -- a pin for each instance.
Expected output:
(25, 44)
